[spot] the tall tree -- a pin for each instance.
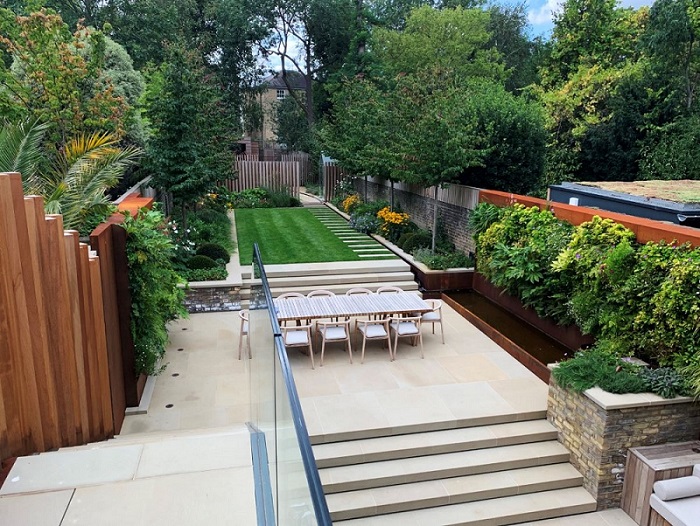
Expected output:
(52, 80)
(188, 150)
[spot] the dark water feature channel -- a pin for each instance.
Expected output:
(533, 341)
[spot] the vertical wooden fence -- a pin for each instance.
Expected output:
(279, 175)
(54, 376)
(331, 174)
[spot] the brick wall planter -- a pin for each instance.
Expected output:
(599, 427)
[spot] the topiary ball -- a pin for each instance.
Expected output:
(201, 262)
(213, 251)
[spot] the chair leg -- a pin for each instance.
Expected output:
(396, 344)
(311, 353)
(250, 353)
(420, 339)
(323, 348)
(240, 345)
(442, 331)
(350, 349)
(364, 343)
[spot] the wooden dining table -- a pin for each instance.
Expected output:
(293, 309)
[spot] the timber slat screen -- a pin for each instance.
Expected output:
(332, 175)
(277, 175)
(54, 378)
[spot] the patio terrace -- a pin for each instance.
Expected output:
(187, 461)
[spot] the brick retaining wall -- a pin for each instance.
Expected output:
(420, 208)
(212, 299)
(599, 435)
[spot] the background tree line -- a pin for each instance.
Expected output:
(425, 91)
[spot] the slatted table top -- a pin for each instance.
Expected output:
(355, 305)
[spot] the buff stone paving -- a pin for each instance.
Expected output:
(172, 481)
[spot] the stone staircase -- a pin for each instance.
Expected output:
(338, 277)
(502, 473)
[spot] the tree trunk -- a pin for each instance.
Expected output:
(365, 196)
(435, 218)
(391, 198)
(183, 225)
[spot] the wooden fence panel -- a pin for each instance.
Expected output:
(101, 242)
(277, 175)
(108, 417)
(332, 175)
(305, 166)
(45, 361)
(46, 341)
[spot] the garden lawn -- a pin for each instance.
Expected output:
(288, 235)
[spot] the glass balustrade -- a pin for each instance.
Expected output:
(293, 489)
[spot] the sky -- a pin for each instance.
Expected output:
(540, 13)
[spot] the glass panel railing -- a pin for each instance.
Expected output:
(296, 494)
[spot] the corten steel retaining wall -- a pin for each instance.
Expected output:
(55, 388)
(599, 437)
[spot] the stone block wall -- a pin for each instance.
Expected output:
(599, 435)
(212, 299)
(454, 218)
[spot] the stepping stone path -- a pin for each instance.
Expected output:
(362, 244)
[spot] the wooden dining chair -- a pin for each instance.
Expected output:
(374, 330)
(288, 295)
(299, 336)
(334, 331)
(320, 292)
(406, 328)
(245, 326)
(389, 290)
(434, 316)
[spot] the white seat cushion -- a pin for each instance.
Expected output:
(681, 512)
(337, 333)
(245, 327)
(373, 331)
(431, 316)
(405, 328)
(696, 470)
(296, 338)
(678, 488)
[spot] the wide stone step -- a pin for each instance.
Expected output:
(470, 488)
(499, 511)
(331, 268)
(427, 426)
(339, 279)
(433, 467)
(431, 443)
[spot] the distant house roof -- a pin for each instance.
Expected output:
(275, 81)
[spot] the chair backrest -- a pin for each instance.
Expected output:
(320, 292)
(388, 290)
(243, 314)
(435, 304)
(290, 295)
(358, 290)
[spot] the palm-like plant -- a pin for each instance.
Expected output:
(82, 172)
(21, 151)
(75, 181)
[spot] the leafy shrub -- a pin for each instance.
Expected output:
(264, 198)
(595, 367)
(156, 298)
(373, 207)
(365, 223)
(281, 199)
(411, 241)
(314, 189)
(205, 274)
(213, 251)
(210, 226)
(201, 262)
(455, 259)
(665, 382)
(482, 217)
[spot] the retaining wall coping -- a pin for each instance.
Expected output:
(224, 283)
(611, 401)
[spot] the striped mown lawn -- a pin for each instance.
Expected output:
(298, 235)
